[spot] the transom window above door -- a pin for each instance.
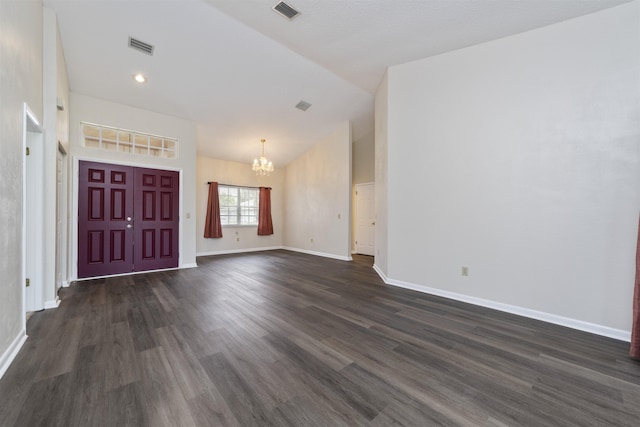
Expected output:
(127, 141)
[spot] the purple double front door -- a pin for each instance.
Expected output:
(127, 219)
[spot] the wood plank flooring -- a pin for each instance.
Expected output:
(285, 339)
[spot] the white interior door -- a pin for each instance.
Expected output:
(33, 213)
(365, 218)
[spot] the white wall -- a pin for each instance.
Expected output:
(520, 158)
(62, 85)
(363, 159)
(93, 110)
(20, 82)
(317, 199)
(236, 239)
(382, 177)
(62, 135)
(56, 125)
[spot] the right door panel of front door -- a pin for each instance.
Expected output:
(156, 219)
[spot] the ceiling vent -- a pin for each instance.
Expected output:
(140, 46)
(303, 105)
(285, 10)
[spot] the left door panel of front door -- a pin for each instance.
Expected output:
(105, 215)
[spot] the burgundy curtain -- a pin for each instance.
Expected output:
(265, 226)
(634, 352)
(212, 225)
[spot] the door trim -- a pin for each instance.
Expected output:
(61, 215)
(30, 125)
(73, 218)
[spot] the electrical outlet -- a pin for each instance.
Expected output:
(465, 271)
(237, 239)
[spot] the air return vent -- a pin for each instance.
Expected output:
(285, 10)
(141, 46)
(303, 105)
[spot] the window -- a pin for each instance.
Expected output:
(126, 141)
(238, 205)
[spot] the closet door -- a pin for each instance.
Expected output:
(127, 219)
(156, 219)
(105, 214)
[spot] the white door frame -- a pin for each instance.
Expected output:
(32, 138)
(61, 218)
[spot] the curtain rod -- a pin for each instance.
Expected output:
(231, 185)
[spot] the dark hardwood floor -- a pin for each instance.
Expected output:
(280, 338)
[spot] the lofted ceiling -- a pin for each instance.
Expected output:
(237, 69)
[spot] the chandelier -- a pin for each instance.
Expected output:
(262, 166)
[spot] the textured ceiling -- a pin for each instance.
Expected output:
(359, 39)
(237, 69)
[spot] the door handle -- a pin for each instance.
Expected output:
(128, 218)
(129, 226)
(373, 223)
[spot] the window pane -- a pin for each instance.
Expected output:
(249, 220)
(124, 137)
(91, 131)
(108, 134)
(91, 136)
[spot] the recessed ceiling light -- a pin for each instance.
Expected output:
(140, 78)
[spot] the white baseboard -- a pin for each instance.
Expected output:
(190, 265)
(12, 351)
(136, 272)
(380, 273)
(238, 251)
(322, 254)
(52, 304)
(580, 325)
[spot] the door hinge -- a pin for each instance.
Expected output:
(28, 151)
(356, 242)
(28, 283)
